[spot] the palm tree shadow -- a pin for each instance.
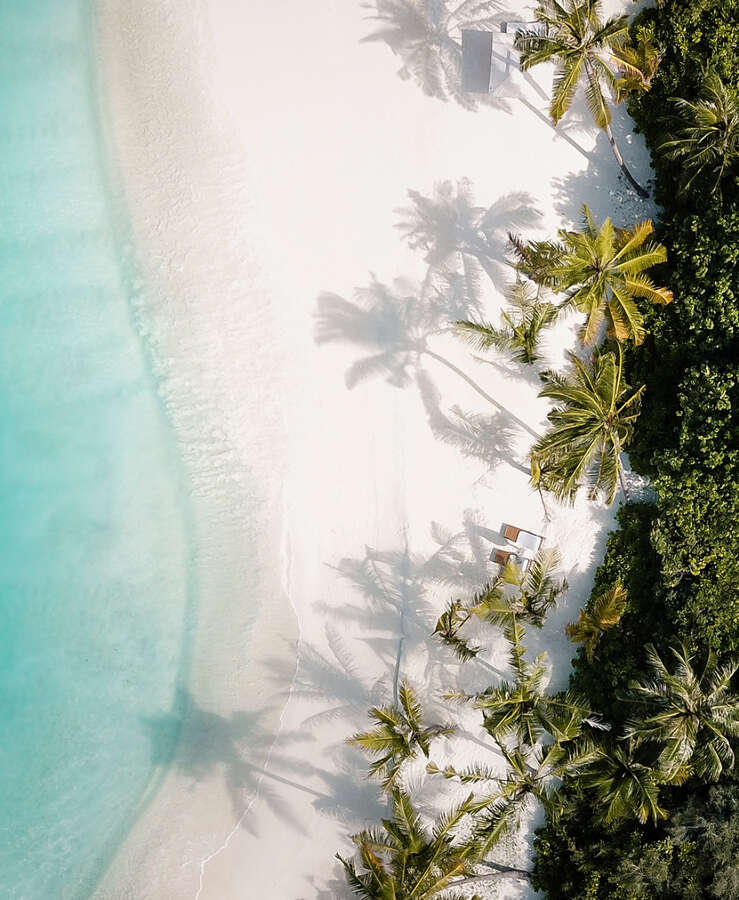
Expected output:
(454, 233)
(488, 438)
(234, 747)
(393, 326)
(426, 36)
(398, 588)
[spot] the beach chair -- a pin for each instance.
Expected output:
(526, 539)
(503, 557)
(477, 61)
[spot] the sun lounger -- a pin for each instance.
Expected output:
(477, 60)
(526, 539)
(503, 557)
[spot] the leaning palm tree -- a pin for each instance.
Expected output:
(583, 45)
(693, 716)
(399, 734)
(605, 611)
(522, 325)
(706, 136)
(402, 861)
(601, 270)
(591, 425)
(531, 773)
(624, 787)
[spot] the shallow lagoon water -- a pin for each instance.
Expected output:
(96, 572)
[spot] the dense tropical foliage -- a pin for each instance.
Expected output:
(677, 560)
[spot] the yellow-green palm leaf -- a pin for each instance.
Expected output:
(591, 425)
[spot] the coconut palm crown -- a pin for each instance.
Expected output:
(706, 134)
(603, 613)
(584, 47)
(591, 425)
(636, 64)
(402, 861)
(623, 786)
(399, 734)
(602, 270)
(694, 716)
(522, 325)
(522, 711)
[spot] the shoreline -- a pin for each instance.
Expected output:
(236, 496)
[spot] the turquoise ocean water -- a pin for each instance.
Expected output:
(95, 572)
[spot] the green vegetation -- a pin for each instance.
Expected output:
(399, 733)
(607, 608)
(706, 136)
(514, 594)
(522, 324)
(675, 702)
(693, 717)
(402, 860)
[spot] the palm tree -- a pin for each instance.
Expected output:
(592, 424)
(706, 139)
(521, 710)
(400, 733)
(602, 271)
(693, 716)
(623, 786)
(401, 861)
(606, 609)
(583, 45)
(537, 591)
(636, 64)
(426, 34)
(523, 324)
(455, 616)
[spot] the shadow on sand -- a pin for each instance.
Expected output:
(426, 35)
(608, 192)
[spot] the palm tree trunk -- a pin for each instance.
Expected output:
(501, 873)
(620, 160)
(622, 482)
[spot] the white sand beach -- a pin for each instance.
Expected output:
(264, 151)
